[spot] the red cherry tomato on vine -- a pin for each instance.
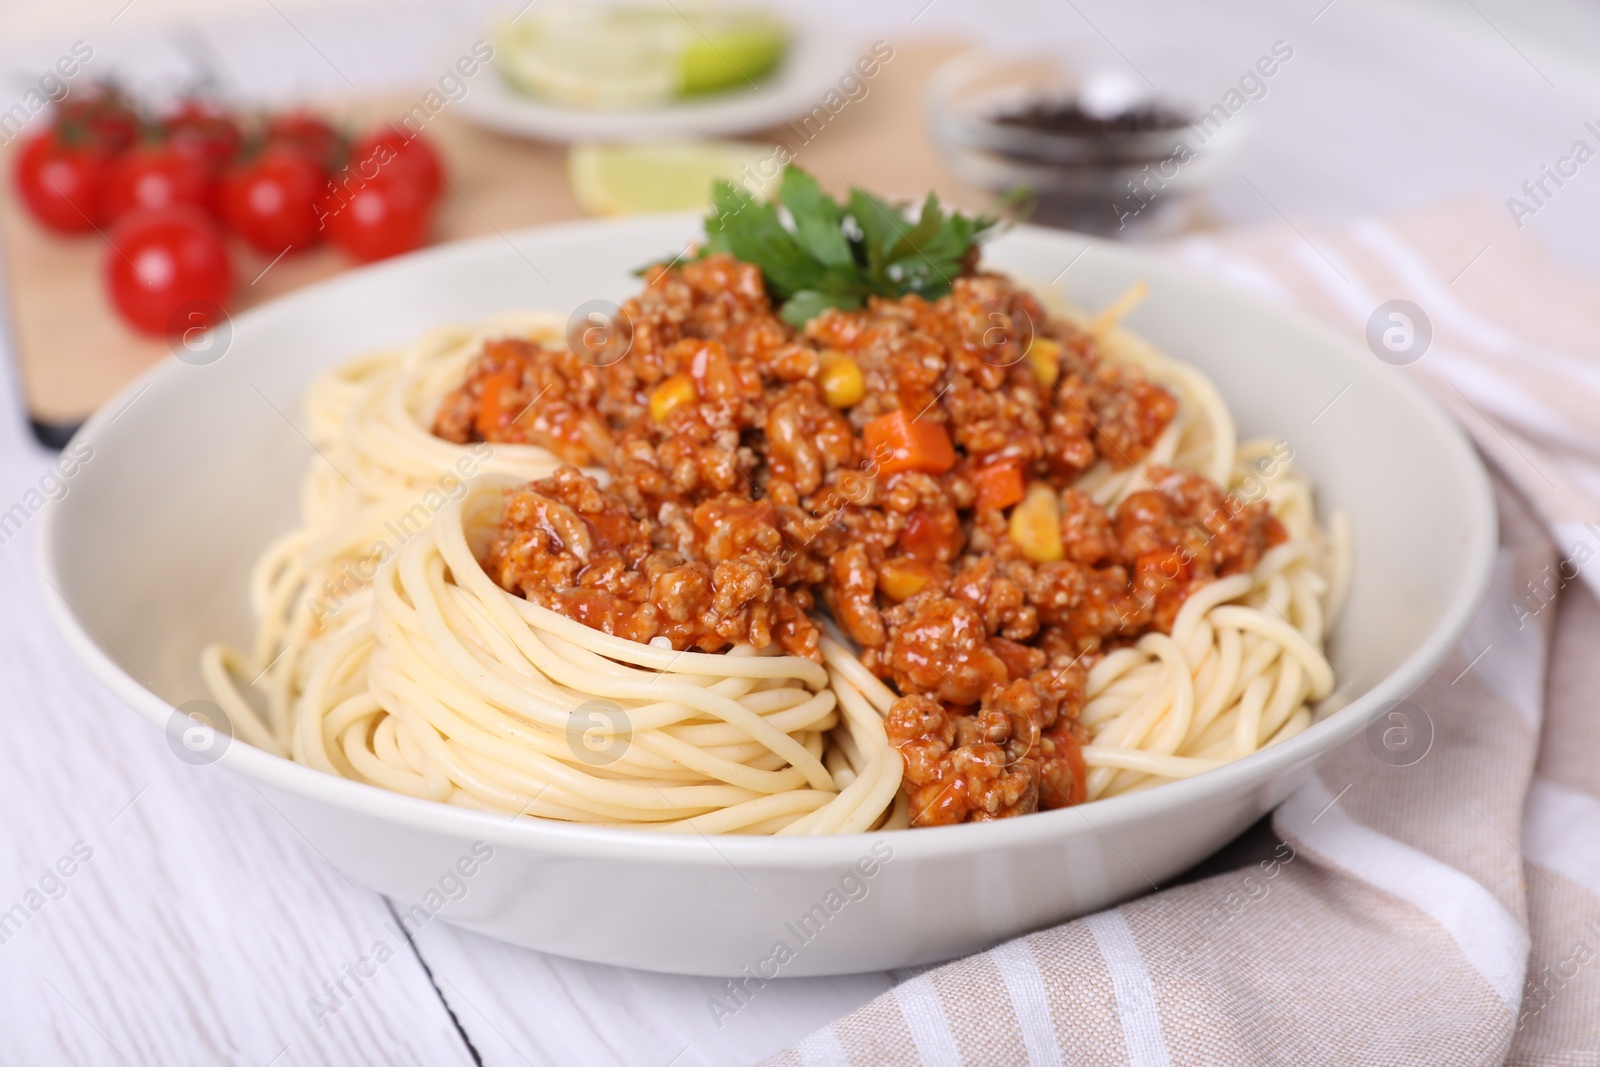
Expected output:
(376, 219)
(98, 115)
(155, 176)
(408, 154)
(61, 183)
(160, 261)
(312, 135)
(202, 131)
(271, 201)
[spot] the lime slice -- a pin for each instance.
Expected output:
(595, 60)
(731, 51)
(630, 57)
(623, 179)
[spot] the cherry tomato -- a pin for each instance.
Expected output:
(62, 183)
(155, 176)
(271, 201)
(389, 147)
(99, 115)
(375, 219)
(159, 261)
(203, 131)
(311, 134)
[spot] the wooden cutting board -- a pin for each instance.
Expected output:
(75, 353)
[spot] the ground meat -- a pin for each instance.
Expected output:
(1063, 777)
(1085, 603)
(521, 393)
(1129, 414)
(1012, 755)
(998, 589)
(1069, 445)
(805, 439)
(851, 599)
(564, 543)
(1086, 533)
(744, 490)
(1184, 533)
(939, 645)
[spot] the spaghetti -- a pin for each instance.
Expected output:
(1244, 661)
(404, 639)
(378, 478)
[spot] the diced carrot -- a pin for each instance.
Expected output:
(899, 442)
(999, 485)
(492, 408)
(1171, 564)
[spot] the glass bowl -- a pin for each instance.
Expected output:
(1099, 151)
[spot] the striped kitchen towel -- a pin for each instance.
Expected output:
(1445, 912)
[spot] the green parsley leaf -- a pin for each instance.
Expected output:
(807, 304)
(832, 255)
(818, 222)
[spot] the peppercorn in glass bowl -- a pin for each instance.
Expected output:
(1098, 152)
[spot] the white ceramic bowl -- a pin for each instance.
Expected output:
(195, 468)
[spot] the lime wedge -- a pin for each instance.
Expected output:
(622, 179)
(630, 57)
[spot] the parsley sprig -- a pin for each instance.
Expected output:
(834, 255)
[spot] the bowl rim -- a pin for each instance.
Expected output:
(1258, 769)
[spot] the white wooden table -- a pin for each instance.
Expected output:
(197, 926)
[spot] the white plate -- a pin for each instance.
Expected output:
(816, 61)
(195, 469)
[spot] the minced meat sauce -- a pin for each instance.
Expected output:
(908, 467)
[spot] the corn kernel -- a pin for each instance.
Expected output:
(670, 395)
(1045, 356)
(1036, 525)
(840, 378)
(900, 579)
